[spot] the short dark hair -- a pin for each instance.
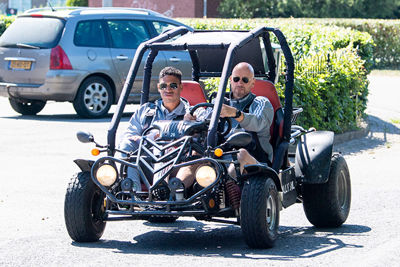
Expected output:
(171, 71)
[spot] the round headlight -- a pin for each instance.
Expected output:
(205, 175)
(106, 175)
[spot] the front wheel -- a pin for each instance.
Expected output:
(32, 107)
(259, 212)
(84, 209)
(94, 98)
(328, 204)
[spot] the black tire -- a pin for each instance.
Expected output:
(328, 204)
(84, 209)
(259, 212)
(32, 107)
(94, 98)
(158, 219)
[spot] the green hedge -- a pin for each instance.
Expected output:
(386, 36)
(332, 64)
(382, 9)
(333, 92)
(385, 33)
(5, 21)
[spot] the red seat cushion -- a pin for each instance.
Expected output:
(193, 92)
(267, 89)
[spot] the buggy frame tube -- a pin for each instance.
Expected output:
(147, 76)
(289, 83)
(129, 83)
(212, 130)
(270, 56)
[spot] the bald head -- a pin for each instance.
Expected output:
(242, 80)
(244, 66)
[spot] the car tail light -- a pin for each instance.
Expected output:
(59, 60)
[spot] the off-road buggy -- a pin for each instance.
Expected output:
(311, 175)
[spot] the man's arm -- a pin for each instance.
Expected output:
(259, 117)
(135, 128)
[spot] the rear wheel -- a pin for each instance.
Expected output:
(328, 204)
(84, 209)
(31, 107)
(259, 212)
(94, 98)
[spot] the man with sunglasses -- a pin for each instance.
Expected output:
(170, 107)
(249, 113)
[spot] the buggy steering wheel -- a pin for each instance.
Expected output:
(222, 121)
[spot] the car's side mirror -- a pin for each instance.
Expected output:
(239, 139)
(85, 137)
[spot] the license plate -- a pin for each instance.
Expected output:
(20, 65)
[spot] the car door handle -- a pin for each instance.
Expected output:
(122, 57)
(174, 59)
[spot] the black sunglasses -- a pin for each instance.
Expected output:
(244, 79)
(163, 86)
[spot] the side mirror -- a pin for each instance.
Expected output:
(85, 137)
(239, 139)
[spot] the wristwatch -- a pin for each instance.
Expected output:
(238, 113)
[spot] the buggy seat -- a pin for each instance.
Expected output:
(193, 92)
(267, 89)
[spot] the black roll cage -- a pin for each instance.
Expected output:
(158, 43)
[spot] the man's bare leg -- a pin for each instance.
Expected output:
(187, 175)
(244, 158)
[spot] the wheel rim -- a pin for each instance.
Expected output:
(96, 97)
(271, 213)
(342, 190)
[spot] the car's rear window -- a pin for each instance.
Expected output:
(41, 32)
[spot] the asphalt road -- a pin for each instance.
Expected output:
(36, 156)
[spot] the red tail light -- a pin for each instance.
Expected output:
(59, 60)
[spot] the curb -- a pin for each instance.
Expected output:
(348, 136)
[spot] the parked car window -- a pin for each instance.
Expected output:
(162, 26)
(90, 33)
(39, 32)
(127, 33)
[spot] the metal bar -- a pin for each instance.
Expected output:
(147, 76)
(129, 83)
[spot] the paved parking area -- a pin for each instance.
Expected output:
(36, 156)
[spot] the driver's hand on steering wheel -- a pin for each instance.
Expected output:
(134, 138)
(189, 117)
(230, 112)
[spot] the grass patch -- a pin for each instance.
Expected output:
(385, 73)
(395, 121)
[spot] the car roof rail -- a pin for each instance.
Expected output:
(114, 10)
(39, 9)
(91, 10)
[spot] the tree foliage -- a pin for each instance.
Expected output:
(77, 3)
(384, 9)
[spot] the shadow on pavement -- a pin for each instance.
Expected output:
(67, 118)
(379, 134)
(197, 239)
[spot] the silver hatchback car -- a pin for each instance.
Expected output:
(80, 55)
